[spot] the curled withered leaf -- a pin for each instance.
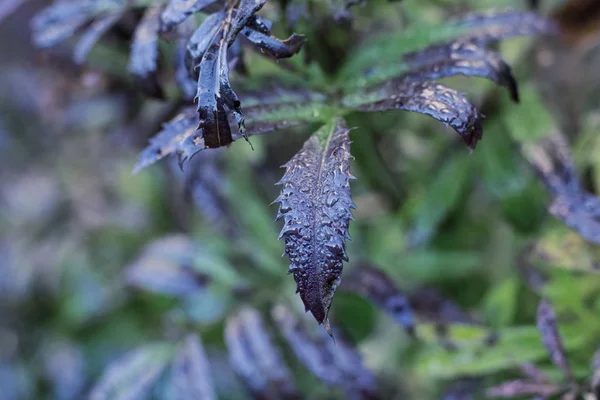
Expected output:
(273, 46)
(315, 206)
(432, 306)
(178, 11)
(59, 22)
(429, 98)
(519, 388)
(202, 38)
(550, 157)
(164, 267)
(546, 322)
(143, 61)
(211, 108)
(179, 136)
(133, 375)
(254, 358)
(334, 363)
(92, 35)
(190, 372)
(377, 287)
(460, 58)
(244, 14)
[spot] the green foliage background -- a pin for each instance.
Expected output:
(428, 213)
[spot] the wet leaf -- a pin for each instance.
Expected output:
(334, 363)
(92, 35)
(190, 372)
(143, 61)
(165, 266)
(133, 375)
(245, 12)
(177, 11)
(273, 46)
(519, 387)
(254, 358)
(439, 61)
(377, 287)
(429, 98)
(546, 322)
(315, 206)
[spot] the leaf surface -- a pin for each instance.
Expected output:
(177, 11)
(143, 61)
(190, 371)
(315, 206)
(546, 322)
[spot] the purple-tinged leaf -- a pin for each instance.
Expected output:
(164, 266)
(595, 381)
(92, 35)
(214, 122)
(432, 306)
(429, 98)
(519, 388)
(244, 14)
(260, 24)
(315, 205)
(133, 375)
(143, 61)
(202, 38)
(546, 322)
(59, 22)
(254, 358)
(377, 287)
(550, 157)
(190, 372)
(7, 7)
(334, 363)
(178, 136)
(177, 11)
(273, 46)
(462, 389)
(460, 58)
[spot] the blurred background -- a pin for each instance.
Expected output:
(96, 262)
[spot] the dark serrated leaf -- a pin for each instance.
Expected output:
(254, 358)
(432, 306)
(429, 98)
(92, 35)
(377, 287)
(177, 11)
(546, 323)
(202, 38)
(143, 61)
(334, 363)
(133, 375)
(273, 46)
(59, 22)
(190, 372)
(519, 388)
(315, 206)
(179, 136)
(164, 266)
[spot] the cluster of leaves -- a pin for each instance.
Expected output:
(223, 285)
